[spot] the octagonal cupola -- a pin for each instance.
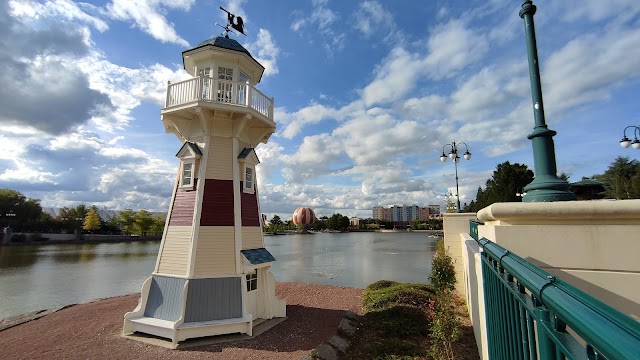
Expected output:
(210, 57)
(221, 95)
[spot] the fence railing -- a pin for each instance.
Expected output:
(533, 315)
(207, 89)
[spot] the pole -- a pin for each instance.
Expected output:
(455, 162)
(546, 186)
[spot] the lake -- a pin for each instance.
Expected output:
(39, 277)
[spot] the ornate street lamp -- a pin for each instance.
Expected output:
(546, 185)
(453, 154)
(625, 142)
(520, 193)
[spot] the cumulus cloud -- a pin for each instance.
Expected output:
(148, 16)
(42, 85)
(81, 167)
(265, 51)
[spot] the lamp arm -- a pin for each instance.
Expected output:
(636, 131)
(466, 148)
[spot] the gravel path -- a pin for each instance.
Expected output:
(92, 330)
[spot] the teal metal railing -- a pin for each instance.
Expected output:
(533, 315)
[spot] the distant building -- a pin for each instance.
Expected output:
(354, 222)
(588, 189)
(401, 215)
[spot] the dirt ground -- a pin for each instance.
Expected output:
(92, 330)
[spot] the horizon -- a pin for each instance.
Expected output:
(367, 93)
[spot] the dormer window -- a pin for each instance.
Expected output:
(248, 160)
(189, 155)
(248, 178)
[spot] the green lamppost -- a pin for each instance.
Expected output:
(546, 185)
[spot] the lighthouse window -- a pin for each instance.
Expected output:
(187, 174)
(252, 281)
(225, 76)
(248, 178)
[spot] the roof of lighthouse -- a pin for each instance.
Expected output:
(221, 43)
(225, 43)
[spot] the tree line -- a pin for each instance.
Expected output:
(339, 222)
(25, 215)
(621, 181)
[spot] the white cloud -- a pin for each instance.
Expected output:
(590, 67)
(148, 16)
(371, 17)
(324, 20)
(394, 78)
(452, 47)
(64, 10)
(266, 52)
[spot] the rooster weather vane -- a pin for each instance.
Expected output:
(235, 22)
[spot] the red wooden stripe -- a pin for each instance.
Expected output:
(183, 207)
(249, 206)
(217, 203)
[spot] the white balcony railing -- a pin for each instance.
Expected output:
(207, 89)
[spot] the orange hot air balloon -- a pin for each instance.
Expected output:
(304, 216)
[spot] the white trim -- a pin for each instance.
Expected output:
(183, 162)
(166, 221)
(193, 277)
(197, 212)
(237, 208)
(245, 189)
(255, 185)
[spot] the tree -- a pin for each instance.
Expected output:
(622, 179)
(338, 222)
(91, 220)
(143, 221)
(126, 220)
(27, 211)
(507, 180)
(158, 225)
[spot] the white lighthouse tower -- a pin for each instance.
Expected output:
(212, 275)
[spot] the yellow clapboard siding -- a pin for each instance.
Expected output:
(252, 237)
(215, 253)
(174, 255)
(220, 161)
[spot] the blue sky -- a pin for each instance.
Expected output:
(366, 92)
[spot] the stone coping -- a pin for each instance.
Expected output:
(563, 210)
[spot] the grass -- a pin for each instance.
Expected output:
(396, 324)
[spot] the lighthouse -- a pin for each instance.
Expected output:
(212, 275)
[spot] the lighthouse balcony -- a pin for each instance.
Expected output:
(204, 91)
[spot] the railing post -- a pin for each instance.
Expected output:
(271, 108)
(167, 99)
(547, 349)
(249, 96)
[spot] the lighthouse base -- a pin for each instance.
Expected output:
(179, 309)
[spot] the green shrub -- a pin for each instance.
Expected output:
(395, 349)
(440, 246)
(379, 298)
(399, 321)
(445, 327)
(443, 274)
(381, 284)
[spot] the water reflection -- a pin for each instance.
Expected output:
(39, 277)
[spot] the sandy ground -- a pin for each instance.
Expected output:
(92, 330)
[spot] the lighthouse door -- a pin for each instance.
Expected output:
(252, 293)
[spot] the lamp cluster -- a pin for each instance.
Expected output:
(453, 154)
(626, 142)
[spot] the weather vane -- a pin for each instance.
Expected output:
(235, 22)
